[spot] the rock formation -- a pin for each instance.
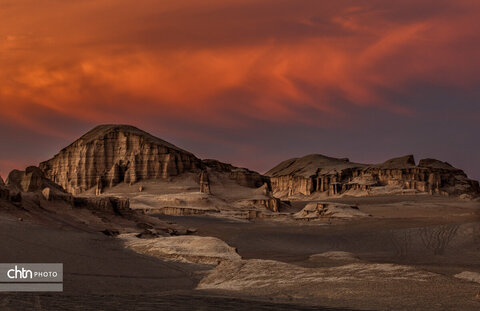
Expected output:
(193, 249)
(331, 176)
(30, 180)
(242, 176)
(113, 154)
(272, 204)
(4, 193)
(53, 194)
(317, 210)
(105, 204)
(204, 183)
(33, 180)
(28, 195)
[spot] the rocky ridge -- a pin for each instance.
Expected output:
(28, 195)
(318, 210)
(327, 176)
(112, 154)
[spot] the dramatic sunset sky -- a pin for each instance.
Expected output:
(250, 82)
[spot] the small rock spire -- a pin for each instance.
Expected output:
(204, 183)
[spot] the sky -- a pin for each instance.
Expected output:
(249, 82)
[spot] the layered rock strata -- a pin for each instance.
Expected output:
(192, 249)
(272, 204)
(114, 205)
(242, 176)
(205, 183)
(185, 210)
(331, 176)
(31, 180)
(112, 154)
(52, 195)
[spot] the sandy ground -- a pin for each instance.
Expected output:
(435, 236)
(407, 256)
(101, 274)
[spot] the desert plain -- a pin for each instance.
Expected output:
(140, 224)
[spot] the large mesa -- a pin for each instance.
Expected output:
(321, 175)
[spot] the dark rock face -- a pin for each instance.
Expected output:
(14, 179)
(30, 180)
(272, 204)
(4, 193)
(242, 176)
(331, 176)
(112, 154)
(50, 194)
(113, 205)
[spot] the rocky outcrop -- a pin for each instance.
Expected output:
(242, 176)
(185, 210)
(112, 154)
(312, 173)
(30, 180)
(4, 193)
(113, 205)
(317, 210)
(52, 194)
(204, 183)
(330, 176)
(272, 204)
(192, 249)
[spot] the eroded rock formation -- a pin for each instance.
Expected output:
(331, 176)
(51, 194)
(272, 204)
(112, 154)
(317, 210)
(193, 249)
(105, 204)
(4, 192)
(204, 183)
(30, 180)
(242, 176)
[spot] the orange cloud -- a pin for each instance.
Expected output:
(97, 60)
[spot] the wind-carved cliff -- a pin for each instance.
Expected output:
(318, 174)
(112, 154)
